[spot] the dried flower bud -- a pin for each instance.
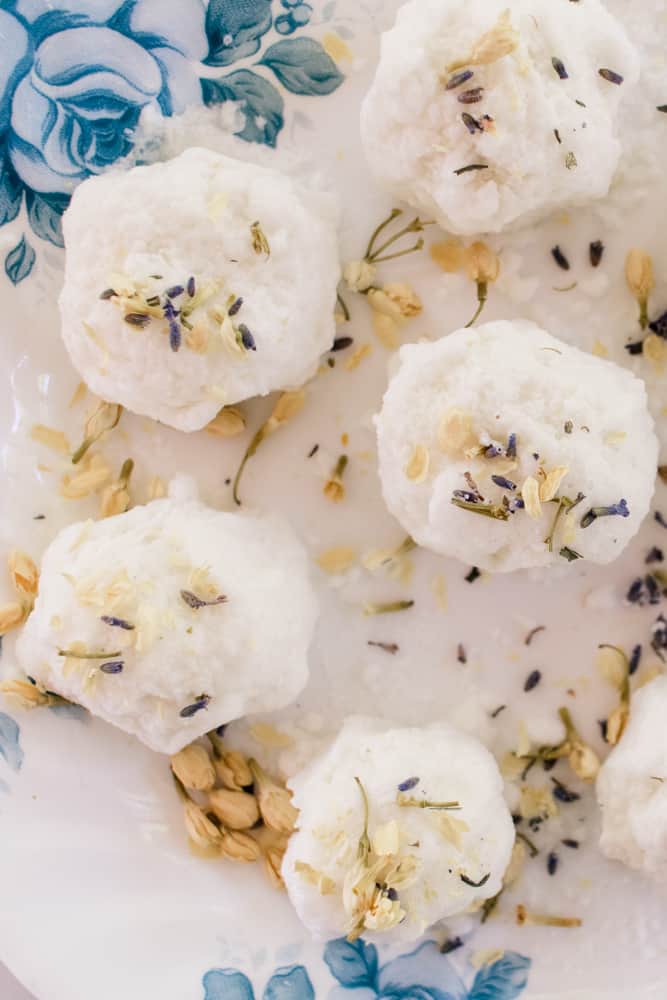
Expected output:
(156, 488)
(11, 615)
(385, 329)
(194, 768)
(289, 405)
(93, 476)
(530, 493)
(640, 279)
(481, 263)
(24, 695)
(103, 419)
(616, 723)
(584, 761)
(449, 255)
(116, 497)
(380, 302)
(228, 423)
(273, 862)
(199, 827)
(359, 275)
(238, 846)
(24, 574)
(274, 801)
(235, 810)
(238, 765)
(334, 489)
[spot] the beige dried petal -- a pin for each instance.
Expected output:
(93, 476)
(274, 801)
(228, 423)
(655, 349)
(239, 846)
(551, 483)
(455, 433)
(24, 574)
(404, 297)
(358, 356)
(385, 329)
(517, 861)
(56, 440)
(156, 488)
(452, 829)
(199, 827)
(24, 695)
(381, 303)
(501, 40)
(289, 405)
(269, 736)
(639, 274)
(194, 768)
(198, 338)
(115, 500)
(104, 418)
(449, 255)
(78, 395)
(11, 615)
(359, 275)
(311, 876)
(235, 810)
(439, 589)
(232, 770)
(273, 862)
(385, 839)
(337, 560)
(537, 802)
(512, 766)
(612, 666)
(334, 490)
(616, 724)
(418, 465)
(584, 761)
(481, 263)
(530, 493)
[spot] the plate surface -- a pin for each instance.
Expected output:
(100, 896)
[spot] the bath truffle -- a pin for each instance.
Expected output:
(172, 619)
(398, 828)
(632, 786)
(508, 449)
(197, 282)
(483, 113)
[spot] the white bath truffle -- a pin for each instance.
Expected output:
(515, 88)
(225, 275)
(632, 786)
(419, 864)
(124, 597)
(488, 435)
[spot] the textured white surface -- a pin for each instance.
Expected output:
(192, 216)
(514, 378)
(247, 654)
(415, 139)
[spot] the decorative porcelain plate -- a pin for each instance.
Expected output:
(99, 894)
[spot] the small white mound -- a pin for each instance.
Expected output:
(251, 316)
(488, 435)
(421, 861)
(632, 787)
(122, 597)
(546, 140)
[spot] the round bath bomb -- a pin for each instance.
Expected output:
(507, 449)
(632, 786)
(172, 619)
(398, 828)
(197, 282)
(484, 114)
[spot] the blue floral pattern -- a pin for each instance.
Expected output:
(75, 76)
(423, 974)
(10, 745)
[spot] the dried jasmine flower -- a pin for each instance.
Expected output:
(260, 244)
(532, 680)
(342, 343)
(117, 622)
(472, 96)
(570, 161)
(334, 489)
(408, 784)
(228, 423)
(482, 266)
(386, 647)
(499, 41)
(236, 810)
(194, 768)
(611, 76)
(26, 695)
(473, 575)
(377, 254)
(387, 608)
(116, 497)
(198, 705)
(596, 250)
(640, 280)
(470, 167)
(559, 67)
(289, 405)
(560, 258)
(104, 418)
(619, 509)
(195, 602)
(525, 918)
(475, 885)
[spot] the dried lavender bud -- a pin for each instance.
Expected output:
(655, 555)
(473, 96)
(611, 76)
(137, 319)
(552, 862)
(637, 347)
(471, 123)
(174, 291)
(247, 338)
(635, 591)
(195, 602)
(596, 250)
(560, 258)
(458, 79)
(659, 326)
(116, 622)
(342, 343)
(562, 793)
(108, 293)
(202, 702)
(510, 451)
(569, 842)
(170, 315)
(408, 784)
(450, 945)
(505, 484)
(635, 657)
(602, 723)
(191, 287)
(235, 307)
(659, 636)
(532, 680)
(558, 138)
(112, 667)
(559, 66)
(619, 509)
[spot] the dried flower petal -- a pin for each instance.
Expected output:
(24, 574)
(455, 433)
(449, 255)
(640, 279)
(232, 770)
(228, 423)
(273, 862)
(11, 615)
(550, 485)
(337, 560)
(104, 418)
(501, 40)
(530, 493)
(193, 768)
(418, 465)
(56, 440)
(235, 810)
(358, 356)
(24, 695)
(311, 876)
(481, 263)
(274, 801)
(199, 827)
(94, 475)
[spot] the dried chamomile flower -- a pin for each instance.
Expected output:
(289, 404)
(228, 423)
(235, 810)
(640, 280)
(275, 801)
(104, 418)
(194, 768)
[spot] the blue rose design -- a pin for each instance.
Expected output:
(290, 983)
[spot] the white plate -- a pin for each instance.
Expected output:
(99, 894)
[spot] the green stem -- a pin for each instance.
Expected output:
(419, 245)
(364, 848)
(482, 292)
(343, 307)
(395, 212)
(251, 450)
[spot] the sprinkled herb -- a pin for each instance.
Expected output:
(619, 509)
(489, 906)
(505, 484)
(459, 79)
(635, 657)
(596, 250)
(247, 339)
(450, 945)
(108, 293)
(560, 258)
(117, 622)
(191, 287)
(408, 784)
(112, 667)
(170, 314)
(523, 917)
(471, 123)
(496, 712)
(473, 575)
(563, 793)
(569, 842)
(552, 862)
(260, 244)
(580, 103)
(195, 602)
(532, 849)
(388, 608)
(510, 451)
(568, 426)
(174, 291)
(485, 509)
(611, 76)
(386, 647)
(559, 66)
(202, 702)
(659, 636)
(471, 167)
(39, 517)
(342, 343)
(313, 451)
(364, 846)
(570, 554)
(235, 307)
(660, 519)
(461, 653)
(636, 347)
(558, 138)
(570, 161)
(426, 804)
(154, 300)
(343, 307)
(655, 555)
(532, 680)
(662, 107)
(137, 319)
(475, 885)
(87, 656)
(377, 255)
(473, 96)
(602, 723)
